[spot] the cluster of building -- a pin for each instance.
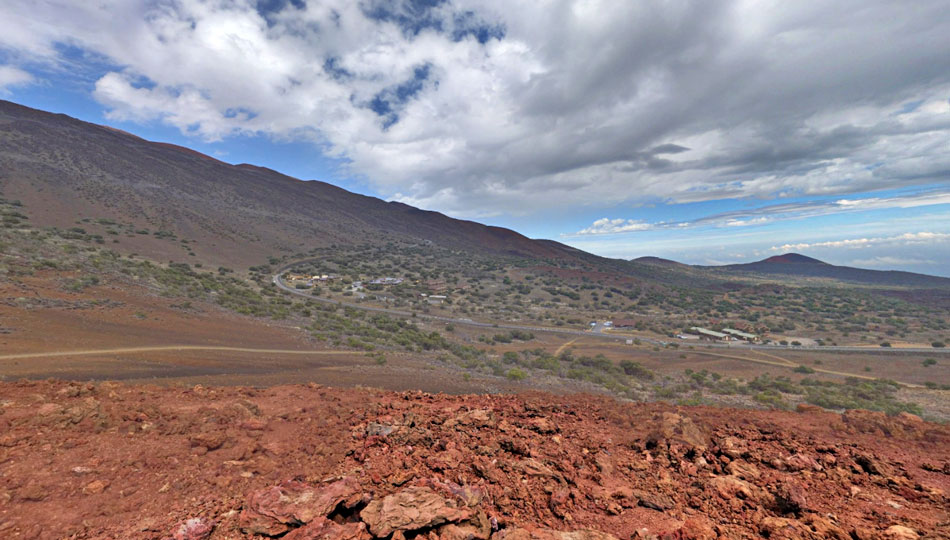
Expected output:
(727, 334)
(696, 332)
(295, 279)
(386, 281)
(356, 286)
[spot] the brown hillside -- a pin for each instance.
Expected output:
(63, 169)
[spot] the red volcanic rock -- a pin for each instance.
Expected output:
(877, 423)
(743, 470)
(899, 532)
(276, 509)
(655, 501)
(810, 527)
(732, 447)
(479, 527)
(695, 529)
(674, 430)
(550, 534)
(413, 508)
(808, 408)
(870, 464)
(322, 528)
(210, 441)
(196, 528)
(474, 467)
(790, 497)
(730, 487)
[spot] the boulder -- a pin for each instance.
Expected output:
(781, 528)
(811, 527)
(695, 528)
(477, 528)
(654, 501)
(413, 508)
(799, 462)
(542, 425)
(873, 466)
(906, 426)
(466, 494)
(550, 534)
(808, 408)
(743, 469)
(277, 509)
(790, 497)
(730, 487)
(822, 528)
(209, 440)
(533, 467)
(476, 418)
(674, 430)
(899, 532)
(322, 528)
(196, 528)
(733, 447)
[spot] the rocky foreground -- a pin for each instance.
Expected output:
(305, 462)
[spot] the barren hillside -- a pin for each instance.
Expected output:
(64, 169)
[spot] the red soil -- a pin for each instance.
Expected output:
(117, 461)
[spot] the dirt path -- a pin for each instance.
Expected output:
(779, 358)
(562, 347)
(787, 363)
(131, 350)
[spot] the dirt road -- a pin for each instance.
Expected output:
(131, 350)
(781, 362)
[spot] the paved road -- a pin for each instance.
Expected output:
(598, 333)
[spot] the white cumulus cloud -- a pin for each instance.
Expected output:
(475, 107)
(613, 226)
(12, 76)
(854, 243)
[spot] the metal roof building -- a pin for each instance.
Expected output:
(709, 333)
(740, 334)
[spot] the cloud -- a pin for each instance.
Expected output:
(778, 212)
(747, 222)
(613, 226)
(11, 76)
(905, 239)
(890, 261)
(476, 107)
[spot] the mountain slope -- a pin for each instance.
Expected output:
(794, 264)
(172, 202)
(239, 214)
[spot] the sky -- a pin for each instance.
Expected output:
(707, 131)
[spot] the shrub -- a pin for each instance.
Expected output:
(938, 344)
(516, 374)
(635, 370)
(771, 398)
